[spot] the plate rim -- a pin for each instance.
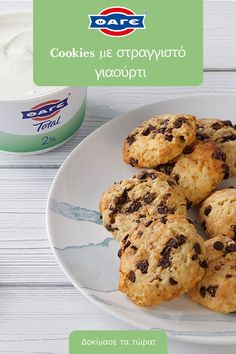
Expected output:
(225, 340)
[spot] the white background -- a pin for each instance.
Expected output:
(38, 305)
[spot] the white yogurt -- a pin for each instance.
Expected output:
(16, 58)
(33, 118)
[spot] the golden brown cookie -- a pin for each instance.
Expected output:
(161, 261)
(159, 140)
(218, 214)
(217, 289)
(199, 170)
(223, 133)
(131, 201)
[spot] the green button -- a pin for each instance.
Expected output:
(118, 342)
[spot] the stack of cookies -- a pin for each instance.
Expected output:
(183, 161)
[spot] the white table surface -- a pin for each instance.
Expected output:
(38, 305)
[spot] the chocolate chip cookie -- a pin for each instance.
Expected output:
(199, 170)
(223, 133)
(131, 201)
(161, 261)
(218, 214)
(159, 140)
(217, 289)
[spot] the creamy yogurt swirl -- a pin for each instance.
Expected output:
(16, 58)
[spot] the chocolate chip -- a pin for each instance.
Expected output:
(189, 220)
(152, 175)
(169, 137)
(202, 291)
(179, 122)
(119, 201)
(202, 137)
(148, 130)
(131, 276)
(218, 267)
(110, 228)
(230, 248)
(171, 183)
(197, 248)
(227, 138)
(124, 198)
(226, 171)
(148, 223)
(165, 168)
(163, 219)
(194, 257)
(172, 281)
(182, 138)
(119, 253)
(212, 290)
(135, 206)
(164, 122)
(223, 156)
(176, 177)
(228, 276)
(172, 243)
(203, 264)
(112, 218)
(162, 209)
(164, 263)
(128, 243)
(219, 155)
(218, 245)
(133, 162)
(181, 239)
(125, 238)
(143, 266)
(161, 131)
(166, 251)
(144, 175)
(140, 233)
(216, 126)
(207, 210)
(134, 248)
(188, 150)
(130, 139)
(149, 197)
(227, 123)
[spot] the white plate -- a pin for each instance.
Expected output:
(85, 250)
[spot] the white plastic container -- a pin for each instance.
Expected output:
(42, 123)
(33, 119)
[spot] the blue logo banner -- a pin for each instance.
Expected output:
(45, 110)
(116, 21)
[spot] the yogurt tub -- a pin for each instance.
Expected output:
(33, 119)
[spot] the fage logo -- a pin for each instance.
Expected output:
(117, 21)
(46, 110)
